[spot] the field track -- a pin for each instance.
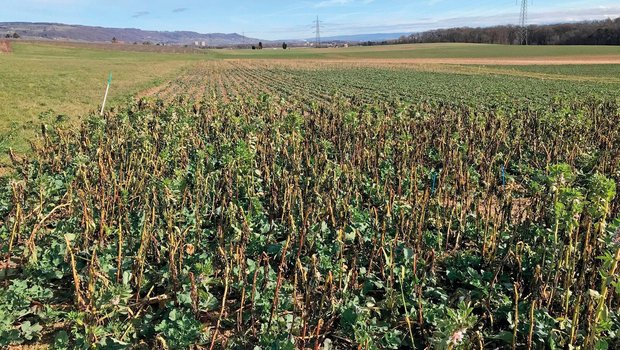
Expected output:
(502, 61)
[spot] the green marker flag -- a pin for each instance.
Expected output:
(105, 97)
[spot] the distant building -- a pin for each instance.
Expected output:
(196, 43)
(204, 43)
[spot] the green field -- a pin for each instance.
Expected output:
(598, 72)
(338, 199)
(425, 51)
(67, 81)
(39, 82)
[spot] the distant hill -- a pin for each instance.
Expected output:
(65, 32)
(363, 37)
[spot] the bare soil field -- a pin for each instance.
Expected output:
(538, 61)
(508, 61)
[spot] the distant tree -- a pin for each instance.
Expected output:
(114, 40)
(604, 32)
(136, 43)
(260, 45)
(16, 36)
(284, 46)
(253, 47)
(7, 35)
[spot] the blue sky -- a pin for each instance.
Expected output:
(292, 19)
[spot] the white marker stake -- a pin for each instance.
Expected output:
(106, 93)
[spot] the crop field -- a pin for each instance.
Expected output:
(322, 203)
(434, 51)
(44, 82)
(371, 81)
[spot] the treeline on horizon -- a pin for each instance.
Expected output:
(605, 32)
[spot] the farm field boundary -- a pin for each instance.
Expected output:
(431, 51)
(484, 67)
(507, 61)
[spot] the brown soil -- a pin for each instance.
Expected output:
(500, 61)
(150, 92)
(512, 61)
(464, 65)
(5, 46)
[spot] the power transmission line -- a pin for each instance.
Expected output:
(523, 32)
(317, 32)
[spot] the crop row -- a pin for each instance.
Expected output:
(364, 83)
(256, 215)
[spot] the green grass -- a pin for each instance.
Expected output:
(63, 79)
(42, 78)
(424, 51)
